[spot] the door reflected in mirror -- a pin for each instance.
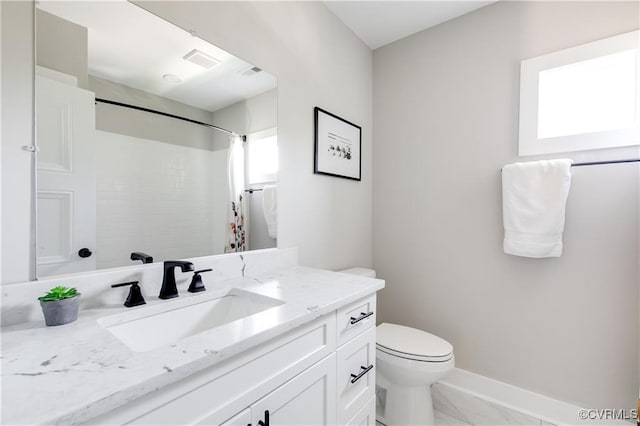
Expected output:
(142, 131)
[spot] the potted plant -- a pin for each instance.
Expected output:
(60, 305)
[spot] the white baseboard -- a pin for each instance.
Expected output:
(530, 403)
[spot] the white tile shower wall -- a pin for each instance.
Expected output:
(19, 301)
(173, 207)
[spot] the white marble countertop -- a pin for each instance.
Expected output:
(72, 373)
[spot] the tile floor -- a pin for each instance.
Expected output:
(458, 408)
(455, 408)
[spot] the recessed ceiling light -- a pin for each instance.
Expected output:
(201, 59)
(172, 78)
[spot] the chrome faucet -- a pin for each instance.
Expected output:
(169, 289)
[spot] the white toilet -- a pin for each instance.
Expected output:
(408, 362)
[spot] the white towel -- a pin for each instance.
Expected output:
(270, 209)
(534, 197)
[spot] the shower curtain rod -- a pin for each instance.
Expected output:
(211, 126)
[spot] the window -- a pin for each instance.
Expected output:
(581, 98)
(263, 156)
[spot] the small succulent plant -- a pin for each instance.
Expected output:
(59, 293)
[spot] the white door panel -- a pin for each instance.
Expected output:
(66, 197)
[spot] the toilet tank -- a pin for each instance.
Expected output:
(363, 272)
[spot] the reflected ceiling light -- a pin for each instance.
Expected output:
(172, 78)
(201, 59)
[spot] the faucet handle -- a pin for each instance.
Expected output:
(197, 285)
(135, 297)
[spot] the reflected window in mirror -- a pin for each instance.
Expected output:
(263, 156)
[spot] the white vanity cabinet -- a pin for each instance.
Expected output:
(308, 399)
(356, 355)
(302, 377)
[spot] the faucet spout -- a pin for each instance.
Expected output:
(169, 289)
(144, 257)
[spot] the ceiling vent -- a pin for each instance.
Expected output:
(201, 59)
(251, 71)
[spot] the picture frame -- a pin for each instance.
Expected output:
(338, 146)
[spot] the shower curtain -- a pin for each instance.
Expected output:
(236, 232)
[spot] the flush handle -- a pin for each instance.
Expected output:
(364, 370)
(361, 317)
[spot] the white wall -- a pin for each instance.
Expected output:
(17, 104)
(445, 122)
(318, 62)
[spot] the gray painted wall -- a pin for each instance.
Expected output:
(140, 124)
(445, 122)
(62, 46)
(251, 115)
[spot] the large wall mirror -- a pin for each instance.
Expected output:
(152, 143)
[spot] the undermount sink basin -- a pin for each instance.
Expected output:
(164, 324)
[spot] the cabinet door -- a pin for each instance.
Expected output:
(308, 399)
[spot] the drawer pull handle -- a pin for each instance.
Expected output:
(365, 370)
(361, 317)
(266, 419)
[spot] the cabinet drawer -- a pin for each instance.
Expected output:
(356, 374)
(355, 318)
(366, 416)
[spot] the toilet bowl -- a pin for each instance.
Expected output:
(408, 362)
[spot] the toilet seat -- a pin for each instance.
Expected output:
(413, 344)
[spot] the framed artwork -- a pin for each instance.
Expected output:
(338, 146)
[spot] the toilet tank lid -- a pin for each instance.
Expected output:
(411, 341)
(363, 272)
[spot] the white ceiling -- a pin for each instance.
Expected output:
(133, 47)
(378, 23)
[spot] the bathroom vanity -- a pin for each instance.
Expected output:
(299, 348)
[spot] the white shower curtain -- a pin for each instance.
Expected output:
(236, 232)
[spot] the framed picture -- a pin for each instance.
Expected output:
(338, 146)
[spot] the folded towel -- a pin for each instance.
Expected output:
(270, 209)
(534, 197)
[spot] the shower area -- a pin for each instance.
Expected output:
(173, 196)
(170, 152)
